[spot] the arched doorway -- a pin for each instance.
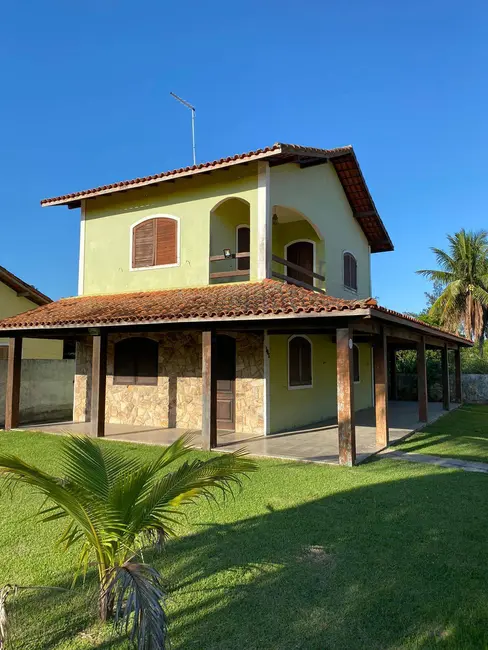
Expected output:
(226, 383)
(303, 254)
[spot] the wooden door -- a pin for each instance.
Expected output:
(301, 253)
(226, 381)
(243, 246)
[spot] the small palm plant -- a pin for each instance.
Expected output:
(115, 507)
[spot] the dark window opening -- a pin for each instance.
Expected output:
(136, 362)
(69, 349)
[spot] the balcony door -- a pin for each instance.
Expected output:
(301, 253)
(226, 383)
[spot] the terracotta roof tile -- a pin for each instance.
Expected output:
(231, 301)
(215, 301)
(343, 159)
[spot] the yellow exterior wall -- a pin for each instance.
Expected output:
(10, 305)
(108, 221)
(296, 407)
(317, 193)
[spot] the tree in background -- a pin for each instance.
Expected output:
(463, 279)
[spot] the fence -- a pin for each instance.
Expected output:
(475, 388)
(46, 390)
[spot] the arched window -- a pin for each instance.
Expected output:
(350, 272)
(243, 237)
(155, 242)
(136, 362)
(299, 362)
(355, 364)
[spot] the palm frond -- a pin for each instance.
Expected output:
(443, 277)
(189, 482)
(138, 595)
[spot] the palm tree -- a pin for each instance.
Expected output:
(115, 506)
(463, 278)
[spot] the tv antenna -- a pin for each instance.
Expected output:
(192, 108)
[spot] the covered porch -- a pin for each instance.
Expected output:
(259, 311)
(317, 443)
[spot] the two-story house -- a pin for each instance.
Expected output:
(232, 295)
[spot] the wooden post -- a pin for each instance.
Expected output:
(209, 390)
(98, 386)
(458, 384)
(381, 390)
(12, 401)
(345, 397)
(445, 378)
(393, 373)
(422, 382)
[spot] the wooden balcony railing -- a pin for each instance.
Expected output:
(301, 269)
(232, 273)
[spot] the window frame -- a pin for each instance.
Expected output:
(158, 215)
(301, 386)
(346, 286)
(306, 241)
(248, 226)
(135, 377)
(358, 380)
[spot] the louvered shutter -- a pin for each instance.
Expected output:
(294, 362)
(166, 241)
(143, 244)
(306, 362)
(350, 271)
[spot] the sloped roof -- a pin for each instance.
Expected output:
(22, 288)
(343, 158)
(240, 300)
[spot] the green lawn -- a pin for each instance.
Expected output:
(463, 434)
(386, 556)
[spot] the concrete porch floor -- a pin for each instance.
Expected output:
(314, 444)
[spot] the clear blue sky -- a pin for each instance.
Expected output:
(86, 101)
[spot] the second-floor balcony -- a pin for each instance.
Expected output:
(296, 254)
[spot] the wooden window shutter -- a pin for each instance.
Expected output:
(300, 362)
(350, 271)
(136, 362)
(306, 362)
(294, 363)
(143, 244)
(166, 241)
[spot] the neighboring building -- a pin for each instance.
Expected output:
(16, 297)
(234, 295)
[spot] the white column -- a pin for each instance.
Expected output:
(263, 222)
(81, 263)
